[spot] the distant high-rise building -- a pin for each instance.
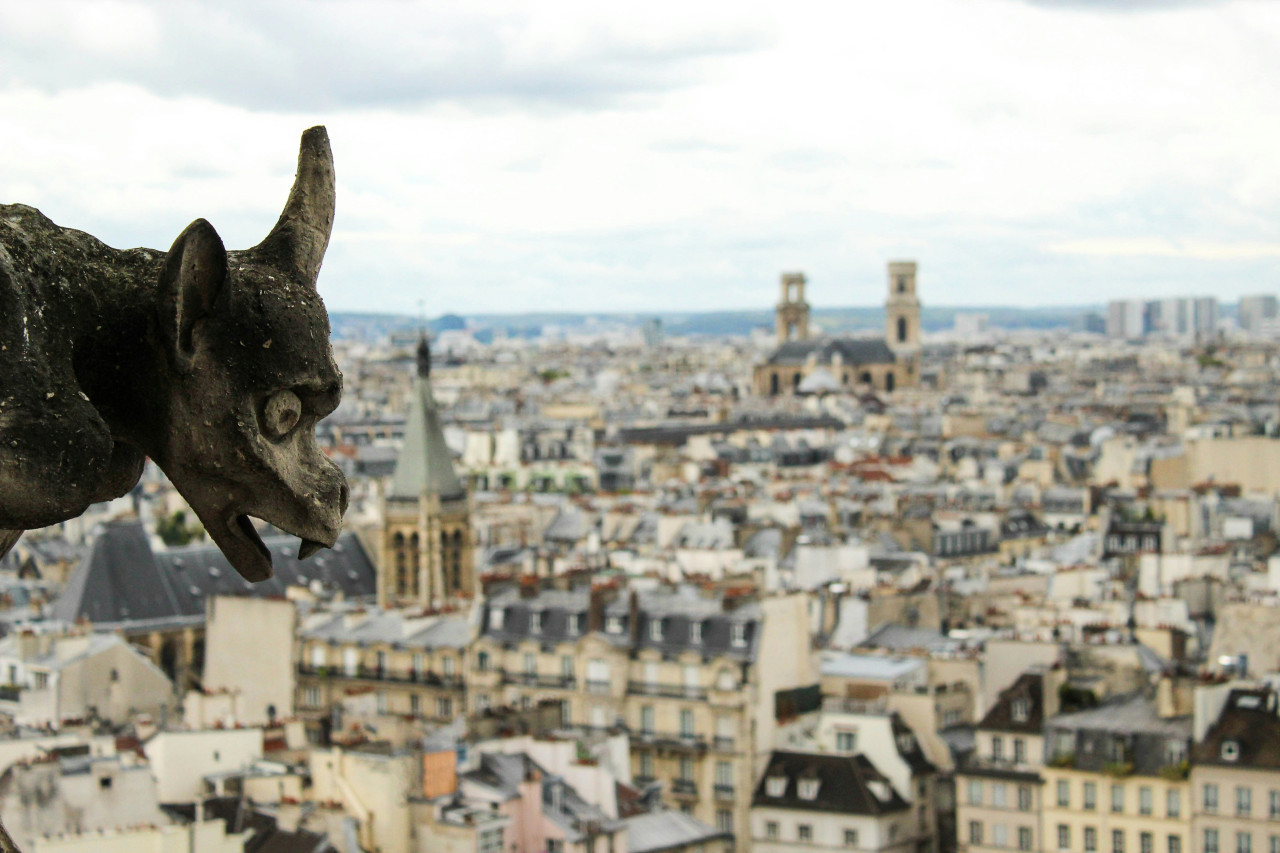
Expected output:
(970, 325)
(1255, 310)
(1182, 317)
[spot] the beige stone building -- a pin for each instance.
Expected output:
(412, 664)
(1235, 776)
(803, 364)
(1115, 779)
(691, 677)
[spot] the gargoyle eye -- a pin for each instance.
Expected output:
(281, 414)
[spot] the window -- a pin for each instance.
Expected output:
(1146, 842)
(1024, 798)
(771, 830)
(311, 697)
(1210, 841)
(1145, 804)
(851, 838)
(575, 624)
(724, 773)
(535, 621)
(1175, 844)
(646, 720)
(686, 769)
(1021, 710)
(1064, 837)
(482, 662)
(848, 742)
(655, 630)
(997, 748)
(1244, 842)
(415, 704)
(997, 795)
(1019, 751)
(724, 820)
(491, 841)
(496, 617)
(382, 701)
(613, 625)
(1230, 750)
(775, 786)
(482, 701)
(646, 764)
(530, 664)
(808, 789)
(1064, 793)
(686, 723)
(1273, 806)
(804, 832)
(1117, 798)
(738, 634)
(1090, 795)
(975, 832)
(555, 845)
(1273, 845)
(975, 792)
(104, 782)
(1173, 803)
(1244, 801)
(1211, 799)
(446, 662)
(695, 633)
(444, 707)
(999, 835)
(1024, 838)
(566, 666)
(1117, 841)
(1090, 839)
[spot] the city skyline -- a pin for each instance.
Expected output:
(513, 159)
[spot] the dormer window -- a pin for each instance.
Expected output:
(738, 634)
(655, 630)
(695, 633)
(535, 622)
(575, 626)
(906, 744)
(1021, 710)
(496, 618)
(613, 625)
(808, 789)
(775, 786)
(1230, 750)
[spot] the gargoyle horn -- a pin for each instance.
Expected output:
(301, 235)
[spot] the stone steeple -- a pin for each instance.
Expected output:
(425, 464)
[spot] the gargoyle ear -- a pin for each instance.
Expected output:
(195, 274)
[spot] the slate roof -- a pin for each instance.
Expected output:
(853, 351)
(843, 784)
(1028, 689)
(1125, 715)
(266, 836)
(668, 829)
(1248, 719)
(122, 580)
(425, 462)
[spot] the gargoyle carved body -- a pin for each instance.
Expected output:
(215, 364)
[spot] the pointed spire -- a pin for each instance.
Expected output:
(424, 356)
(425, 465)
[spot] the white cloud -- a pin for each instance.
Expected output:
(507, 156)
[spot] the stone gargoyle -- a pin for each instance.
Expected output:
(214, 364)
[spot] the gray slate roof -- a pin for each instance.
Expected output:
(121, 579)
(853, 351)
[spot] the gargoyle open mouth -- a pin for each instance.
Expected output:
(243, 525)
(250, 556)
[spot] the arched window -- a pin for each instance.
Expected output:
(902, 330)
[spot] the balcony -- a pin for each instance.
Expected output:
(533, 679)
(670, 741)
(669, 691)
(722, 744)
(373, 673)
(724, 792)
(599, 687)
(684, 788)
(10, 692)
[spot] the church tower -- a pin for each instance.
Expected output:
(902, 310)
(427, 553)
(792, 323)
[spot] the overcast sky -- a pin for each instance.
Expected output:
(594, 156)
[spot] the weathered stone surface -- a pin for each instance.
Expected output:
(215, 364)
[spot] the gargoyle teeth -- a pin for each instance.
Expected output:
(308, 547)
